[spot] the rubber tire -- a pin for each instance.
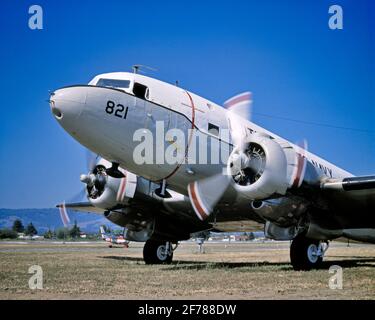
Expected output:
(150, 253)
(298, 254)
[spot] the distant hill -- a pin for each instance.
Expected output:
(44, 219)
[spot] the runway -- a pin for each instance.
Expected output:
(240, 270)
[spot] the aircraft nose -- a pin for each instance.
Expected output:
(66, 105)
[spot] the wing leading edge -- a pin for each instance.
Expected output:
(82, 206)
(351, 184)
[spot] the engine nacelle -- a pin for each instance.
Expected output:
(265, 172)
(106, 192)
(138, 227)
(283, 211)
(117, 191)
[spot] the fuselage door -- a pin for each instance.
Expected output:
(141, 95)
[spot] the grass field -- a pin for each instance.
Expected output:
(224, 271)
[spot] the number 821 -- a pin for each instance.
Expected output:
(117, 110)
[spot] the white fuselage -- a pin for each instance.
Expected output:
(82, 111)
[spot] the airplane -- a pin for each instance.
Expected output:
(159, 175)
(113, 239)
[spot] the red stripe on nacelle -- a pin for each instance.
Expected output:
(300, 164)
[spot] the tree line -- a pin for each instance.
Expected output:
(30, 230)
(64, 233)
(17, 228)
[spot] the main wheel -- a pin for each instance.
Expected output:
(157, 252)
(305, 253)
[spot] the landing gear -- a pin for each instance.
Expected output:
(307, 254)
(158, 252)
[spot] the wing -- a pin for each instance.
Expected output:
(352, 200)
(351, 184)
(358, 193)
(82, 206)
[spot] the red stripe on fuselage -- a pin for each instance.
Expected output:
(190, 138)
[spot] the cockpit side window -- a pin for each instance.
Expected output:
(113, 83)
(140, 91)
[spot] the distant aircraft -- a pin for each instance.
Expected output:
(113, 239)
(266, 182)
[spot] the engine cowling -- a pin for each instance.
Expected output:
(106, 192)
(263, 170)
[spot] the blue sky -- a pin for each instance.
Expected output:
(283, 51)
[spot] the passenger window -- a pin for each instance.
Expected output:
(213, 129)
(140, 91)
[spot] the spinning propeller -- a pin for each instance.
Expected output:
(246, 163)
(91, 160)
(204, 194)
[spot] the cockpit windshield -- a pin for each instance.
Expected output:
(113, 83)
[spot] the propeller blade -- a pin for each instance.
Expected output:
(300, 167)
(64, 210)
(91, 160)
(205, 194)
(64, 214)
(241, 104)
(79, 196)
(239, 107)
(237, 131)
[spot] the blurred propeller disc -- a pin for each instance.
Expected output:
(91, 160)
(64, 214)
(206, 193)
